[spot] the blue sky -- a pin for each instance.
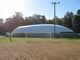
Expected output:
(45, 7)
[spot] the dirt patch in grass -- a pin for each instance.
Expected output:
(40, 51)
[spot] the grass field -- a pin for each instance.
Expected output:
(37, 40)
(39, 49)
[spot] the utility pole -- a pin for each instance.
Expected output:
(54, 3)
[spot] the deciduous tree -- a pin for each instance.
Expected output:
(13, 22)
(68, 19)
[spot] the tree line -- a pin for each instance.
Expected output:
(69, 20)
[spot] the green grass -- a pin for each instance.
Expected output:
(39, 40)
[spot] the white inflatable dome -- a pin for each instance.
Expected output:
(41, 28)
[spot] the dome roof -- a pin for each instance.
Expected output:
(41, 28)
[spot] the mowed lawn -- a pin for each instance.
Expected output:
(39, 49)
